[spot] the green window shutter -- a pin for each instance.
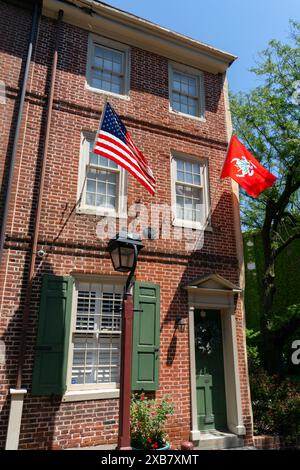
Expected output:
(50, 365)
(146, 329)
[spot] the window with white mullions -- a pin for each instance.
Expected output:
(185, 95)
(190, 191)
(186, 90)
(102, 181)
(107, 69)
(97, 336)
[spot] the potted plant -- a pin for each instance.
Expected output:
(148, 417)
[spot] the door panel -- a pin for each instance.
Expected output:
(210, 384)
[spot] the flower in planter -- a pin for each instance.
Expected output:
(148, 418)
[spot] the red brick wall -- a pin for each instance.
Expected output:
(49, 423)
(267, 442)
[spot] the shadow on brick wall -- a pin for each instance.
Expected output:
(37, 426)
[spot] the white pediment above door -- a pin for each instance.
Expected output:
(213, 291)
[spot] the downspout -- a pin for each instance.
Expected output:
(35, 18)
(15, 416)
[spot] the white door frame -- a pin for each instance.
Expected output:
(230, 353)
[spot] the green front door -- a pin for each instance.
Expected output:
(210, 385)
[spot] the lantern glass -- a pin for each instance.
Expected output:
(123, 252)
(115, 257)
(127, 257)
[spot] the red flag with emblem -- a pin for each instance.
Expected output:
(243, 168)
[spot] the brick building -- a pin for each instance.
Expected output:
(171, 92)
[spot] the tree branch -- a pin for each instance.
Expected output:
(284, 198)
(286, 243)
(288, 329)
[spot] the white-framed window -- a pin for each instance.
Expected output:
(186, 91)
(108, 66)
(95, 343)
(101, 184)
(190, 192)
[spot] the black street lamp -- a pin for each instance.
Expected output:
(124, 252)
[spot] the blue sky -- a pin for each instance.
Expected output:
(242, 27)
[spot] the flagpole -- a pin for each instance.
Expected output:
(101, 119)
(228, 145)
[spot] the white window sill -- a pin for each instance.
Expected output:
(191, 225)
(196, 118)
(82, 395)
(101, 212)
(107, 93)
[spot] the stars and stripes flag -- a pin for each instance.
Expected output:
(113, 141)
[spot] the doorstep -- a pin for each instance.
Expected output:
(218, 440)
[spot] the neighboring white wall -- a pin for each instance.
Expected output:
(15, 417)
(231, 373)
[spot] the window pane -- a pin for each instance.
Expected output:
(188, 178)
(86, 305)
(91, 186)
(107, 64)
(107, 69)
(184, 108)
(111, 177)
(101, 188)
(192, 86)
(96, 358)
(188, 167)
(106, 76)
(180, 164)
(176, 85)
(107, 162)
(111, 190)
(95, 82)
(184, 88)
(180, 176)
(93, 158)
(196, 168)
(110, 202)
(196, 180)
(106, 85)
(90, 199)
(189, 203)
(100, 200)
(117, 67)
(183, 100)
(116, 88)
(184, 93)
(176, 106)
(188, 172)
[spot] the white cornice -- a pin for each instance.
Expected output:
(110, 22)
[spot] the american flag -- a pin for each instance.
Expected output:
(114, 141)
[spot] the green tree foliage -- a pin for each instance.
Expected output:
(276, 407)
(267, 119)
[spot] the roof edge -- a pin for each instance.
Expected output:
(105, 20)
(105, 7)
